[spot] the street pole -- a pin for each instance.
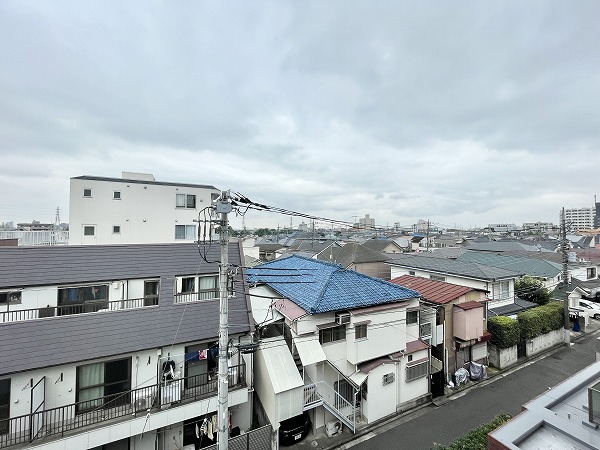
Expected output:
(223, 207)
(565, 273)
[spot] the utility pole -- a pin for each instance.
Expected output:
(223, 206)
(565, 273)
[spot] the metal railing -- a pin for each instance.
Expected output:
(320, 393)
(18, 315)
(200, 296)
(27, 238)
(65, 419)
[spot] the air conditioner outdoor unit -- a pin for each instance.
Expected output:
(333, 427)
(342, 318)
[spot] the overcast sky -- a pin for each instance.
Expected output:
(464, 113)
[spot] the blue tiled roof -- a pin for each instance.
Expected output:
(318, 286)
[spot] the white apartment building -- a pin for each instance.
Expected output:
(116, 348)
(580, 218)
(135, 209)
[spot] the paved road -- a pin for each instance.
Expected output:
(433, 424)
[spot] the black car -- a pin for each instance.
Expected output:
(294, 430)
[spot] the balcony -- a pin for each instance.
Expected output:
(18, 315)
(82, 416)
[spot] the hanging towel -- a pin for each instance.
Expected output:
(197, 431)
(203, 354)
(209, 430)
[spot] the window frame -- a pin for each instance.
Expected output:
(360, 331)
(185, 201)
(189, 232)
(106, 400)
(409, 317)
(87, 191)
(332, 334)
(415, 371)
(151, 299)
(213, 290)
(434, 277)
(116, 229)
(92, 227)
(117, 195)
(11, 297)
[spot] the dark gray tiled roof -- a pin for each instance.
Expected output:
(74, 338)
(452, 267)
(160, 183)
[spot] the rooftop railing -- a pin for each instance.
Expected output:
(69, 419)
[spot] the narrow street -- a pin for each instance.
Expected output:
(442, 424)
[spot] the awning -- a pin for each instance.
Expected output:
(309, 349)
(358, 378)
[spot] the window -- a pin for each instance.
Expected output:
(188, 285)
(208, 287)
(412, 317)
(360, 331)
(201, 363)
(116, 229)
(89, 230)
(185, 232)
(437, 278)
(4, 406)
(116, 195)
(82, 299)
(10, 297)
(185, 201)
(87, 192)
(151, 293)
(332, 334)
(411, 272)
(103, 384)
(418, 370)
(591, 272)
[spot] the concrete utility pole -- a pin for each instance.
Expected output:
(565, 272)
(223, 206)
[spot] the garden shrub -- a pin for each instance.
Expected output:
(540, 320)
(504, 330)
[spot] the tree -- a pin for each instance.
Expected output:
(532, 290)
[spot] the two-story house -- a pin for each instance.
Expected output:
(461, 323)
(497, 282)
(350, 352)
(135, 209)
(116, 347)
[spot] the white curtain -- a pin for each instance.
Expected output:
(91, 377)
(208, 288)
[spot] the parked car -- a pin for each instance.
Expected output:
(294, 429)
(593, 308)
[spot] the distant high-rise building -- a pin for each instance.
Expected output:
(580, 218)
(366, 223)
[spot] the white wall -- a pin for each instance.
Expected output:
(146, 212)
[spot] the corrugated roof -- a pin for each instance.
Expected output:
(318, 287)
(438, 292)
(452, 267)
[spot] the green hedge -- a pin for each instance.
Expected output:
(505, 331)
(540, 320)
(476, 439)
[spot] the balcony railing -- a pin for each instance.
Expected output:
(17, 315)
(71, 418)
(200, 296)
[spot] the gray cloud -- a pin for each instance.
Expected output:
(470, 113)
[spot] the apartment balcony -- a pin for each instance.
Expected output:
(185, 297)
(18, 315)
(46, 424)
